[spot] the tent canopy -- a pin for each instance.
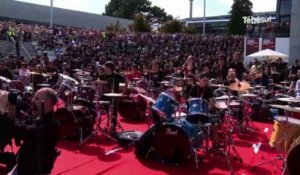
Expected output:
(266, 54)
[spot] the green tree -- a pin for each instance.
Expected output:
(129, 8)
(173, 26)
(115, 27)
(140, 24)
(239, 9)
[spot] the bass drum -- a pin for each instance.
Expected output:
(174, 143)
(74, 119)
(293, 160)
(132, 107)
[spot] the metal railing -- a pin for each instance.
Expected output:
(14, 41)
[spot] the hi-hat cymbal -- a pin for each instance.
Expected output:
(239, 86)
(290, 99)
(113, 94)
(286, 108)
(248, 95)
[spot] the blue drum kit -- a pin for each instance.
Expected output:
(178, 138)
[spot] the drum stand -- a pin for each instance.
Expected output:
(98, 121)
(279, 157)
(230, 150)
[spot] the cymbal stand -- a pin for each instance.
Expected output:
(229, 145)
(98, 121)
(111, 115)
(283, 156)
(247, 117)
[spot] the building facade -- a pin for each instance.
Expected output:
(32, 13)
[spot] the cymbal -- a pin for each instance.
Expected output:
(136, 79)
(258, 87)
(82, 73)
(122, 84)
(36, 73)
(249, 95)
(284, 82)
(113, 94)
(77, 70)
(43, 85)
(224, 97)
(149, 99)
(217, 85)
(282, 86)
(291, 100)
(239, 86)
(99, 82)
(6, 80)
(69, 78)
(286, 108)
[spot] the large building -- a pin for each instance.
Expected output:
(294, 25)
(32, 13)
(219, 24)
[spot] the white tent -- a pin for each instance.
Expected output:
(266, 54)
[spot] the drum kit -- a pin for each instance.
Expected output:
(285, 135)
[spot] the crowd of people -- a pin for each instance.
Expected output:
(124, 57)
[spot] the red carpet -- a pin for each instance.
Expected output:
(90, 158)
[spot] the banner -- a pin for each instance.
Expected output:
(252, 45)
(268, 43)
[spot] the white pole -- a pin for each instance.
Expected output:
(204, 16)
(191, 8)
(51, 13)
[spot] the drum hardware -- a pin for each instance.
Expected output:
(284, 140)
(98, 119)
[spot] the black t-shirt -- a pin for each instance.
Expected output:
(6, 73)
(156, 77)
(200, 92)
(113, 81)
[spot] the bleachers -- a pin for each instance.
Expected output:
(7, 48)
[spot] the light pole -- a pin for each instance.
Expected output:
(191, 8)
(51, 13)
(204, 16)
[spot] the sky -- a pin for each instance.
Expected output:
(177, 8)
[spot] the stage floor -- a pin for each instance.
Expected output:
(90, 158)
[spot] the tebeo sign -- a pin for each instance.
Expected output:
(256, 20)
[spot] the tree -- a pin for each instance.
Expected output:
(129, 8)
(174, 26)
(115, 27)
(140, 24)
(239, 9)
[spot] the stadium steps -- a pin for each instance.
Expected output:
(7, 48)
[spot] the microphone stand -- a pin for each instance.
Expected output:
(39, 138)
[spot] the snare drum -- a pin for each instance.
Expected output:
(174, 143)
(65, 91)
(132, 107)
(165, 106)
(292, 129)
(74, 119)
(197, 111)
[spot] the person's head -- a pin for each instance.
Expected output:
(231, 73)
(155, 65)
(298, 73)
(134, 67)
(109, 67)
(203, 79)
(38, 68)
(46, 96)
